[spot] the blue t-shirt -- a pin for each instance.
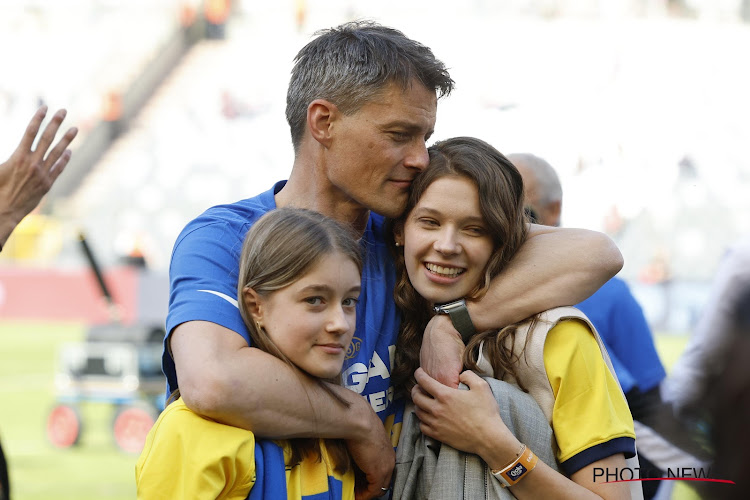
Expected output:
(203, 287)
(619, 319)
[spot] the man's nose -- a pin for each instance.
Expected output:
(418, 157)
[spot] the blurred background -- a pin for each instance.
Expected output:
(641, 106)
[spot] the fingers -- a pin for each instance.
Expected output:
(427, 383)
(49, 134)
(370, 490)
(56, 160)
(32, 129)
(369, 493)
(59, 165)
(470, 378)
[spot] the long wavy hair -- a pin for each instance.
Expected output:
(500, 188)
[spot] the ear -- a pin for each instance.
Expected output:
(320, 116)
(398, 232)
(254, 303)
(555, 210)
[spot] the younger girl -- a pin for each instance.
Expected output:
(298, 287)
(463, 223)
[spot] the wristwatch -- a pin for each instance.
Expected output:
(459, 317)
(517, 469)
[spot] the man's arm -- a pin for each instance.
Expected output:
(554, 267)
(27, 175)
(222, 378)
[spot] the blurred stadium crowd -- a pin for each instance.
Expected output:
(642, 115)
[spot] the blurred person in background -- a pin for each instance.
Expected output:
(712, 336)
(361, 105)
(620, 321)
(24, 179)
(216, 13)
(709, 385)
(727, 398)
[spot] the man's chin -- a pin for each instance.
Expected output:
(393, 209)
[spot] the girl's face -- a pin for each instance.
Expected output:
(446, 241)
(312, 320)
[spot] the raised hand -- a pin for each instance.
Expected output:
(28, 175)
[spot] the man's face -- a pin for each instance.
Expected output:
(376, 152)
(547, 214)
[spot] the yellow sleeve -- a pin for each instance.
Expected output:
(590, 417)
(188, 456)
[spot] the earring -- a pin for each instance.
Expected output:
(260, 327)
(398, 244)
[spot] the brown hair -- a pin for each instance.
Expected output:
(500, 189)
(281, 247)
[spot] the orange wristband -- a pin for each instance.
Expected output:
(517, 469)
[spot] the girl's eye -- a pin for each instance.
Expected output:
(428, 222)
(350, 302)
(314, 301)
(476, 230)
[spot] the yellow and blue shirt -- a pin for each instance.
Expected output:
(188, 456)
(590, 417)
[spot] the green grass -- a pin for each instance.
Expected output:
(95, 469)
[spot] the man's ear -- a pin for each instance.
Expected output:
(554, 209)
(320, 117)
(254, 304)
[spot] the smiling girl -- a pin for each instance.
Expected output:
(298, 287)
(463, 223)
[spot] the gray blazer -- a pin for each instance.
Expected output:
(425, 469)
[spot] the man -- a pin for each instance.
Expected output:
(541, 187)
(24, 179)
(361, 105)
(624, 330)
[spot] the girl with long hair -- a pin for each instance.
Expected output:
(463, 223)
(298, 287)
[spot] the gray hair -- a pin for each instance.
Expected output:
(349, 65)
(547, 180)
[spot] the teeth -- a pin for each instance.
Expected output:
(451, 272)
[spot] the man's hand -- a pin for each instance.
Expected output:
(441, 355)
(376, 458)
(27, 175)
(214, 364)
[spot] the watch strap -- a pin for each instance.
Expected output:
(517, 469)
(460, 318)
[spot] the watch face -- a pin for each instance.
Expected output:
(448, 306)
